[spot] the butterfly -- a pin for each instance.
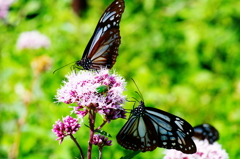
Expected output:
(206, 131)
(148, 128)
(102, 49)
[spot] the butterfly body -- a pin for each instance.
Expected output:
(102, 49)
(86, 63)
(148, 128)
(206, 131)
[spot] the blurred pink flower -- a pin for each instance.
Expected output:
(4, 6)
(32, 40)
(81, 88)
(204, 151)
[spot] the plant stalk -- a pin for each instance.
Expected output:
(78, 145)
(92, 117)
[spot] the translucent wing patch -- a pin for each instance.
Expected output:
(138, 134)
(105, 53)
(173, 132)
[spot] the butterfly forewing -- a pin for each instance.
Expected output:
(106, 50)
(102, 48)
(173, 132)
(206, 131)
(138, 134)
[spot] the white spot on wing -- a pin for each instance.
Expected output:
(105, 29)
(106, 16)
(112, 17)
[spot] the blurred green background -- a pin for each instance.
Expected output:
(183, 54)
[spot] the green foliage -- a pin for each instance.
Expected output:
(184, 56)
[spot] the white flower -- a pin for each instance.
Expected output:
(204, 151)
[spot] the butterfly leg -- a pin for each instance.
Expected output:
(135, 100)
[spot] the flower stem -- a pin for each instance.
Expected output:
(104, 122)
(92, 116)
(78, 145)
(100, 152)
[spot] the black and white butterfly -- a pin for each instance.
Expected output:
(102, 49)
(206, 131)
(148, 128)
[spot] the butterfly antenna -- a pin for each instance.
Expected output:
(63, 66)
(134, 99)
(139, 92)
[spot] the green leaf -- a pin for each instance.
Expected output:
(102, 132)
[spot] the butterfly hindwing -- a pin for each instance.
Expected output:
(173, 132)
(102, 49)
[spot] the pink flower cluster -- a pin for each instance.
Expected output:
(81, 88)
(65, 128)
(4, 6)
(101, 140)
(204, 151)
(32, 40)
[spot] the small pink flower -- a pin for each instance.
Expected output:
(65, 128)
(111, 114)
(32, 40)
(101, 140)
(81, 88)
(204, 151)
(79, 112)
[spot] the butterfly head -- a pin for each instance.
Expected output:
(140, 110)
(86, 63)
